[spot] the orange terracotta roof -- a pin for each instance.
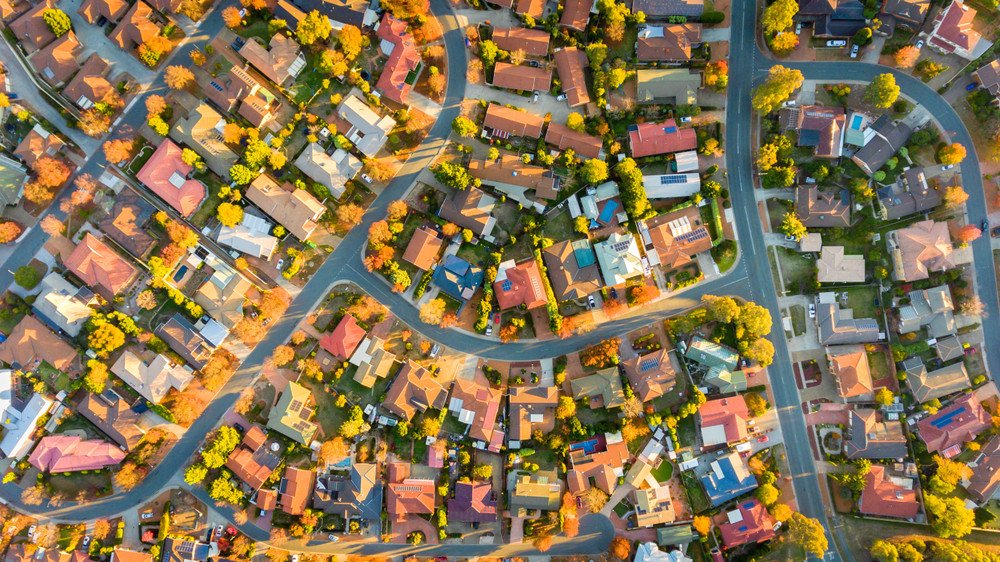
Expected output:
(166, 174)
(345, 338)
(98, 265)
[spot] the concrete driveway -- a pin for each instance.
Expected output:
(546, 102)
(92, 37)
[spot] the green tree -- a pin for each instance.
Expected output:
(489, 52)
(596, 53)
(882, 91)
(242, 175)
(315, 26)
(780, 84)
(951, 154)
(778, 16)
(616, 78)
(105, 339)
(884, 551)
(884, 396)
(58, 21)
(464, 126)
(195, 474)
(256, 154)
(767, 494)
(27, 277)
(230, 215)
(710, 189)
(632, 191)
(483, 471)
(808, 534)
(566, 408)
(950, 518)
(862, 37)
(792, 226)
(454, 175)
(594, 171)
(192, 158)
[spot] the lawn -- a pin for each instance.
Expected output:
(7, 325)
(145, 153)
(357, 393)
(798, 319)
(328, 415)
(55, 377)
(255, 29)
(878, 364)
(560, 227)
(663, 472)
(204, 213)
(699, 501)
(675, 397)
(862, 301)
(409, 227)
(78, 422)
(546, 459)
(622, 508)
(478, 254)
(518, 251)
(795, 268)
(626, 49)
(686, 432)
(74, 483)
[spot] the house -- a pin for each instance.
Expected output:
(572, 269)
(939, 383)
(292, 413)
(671, 186)
(477, 406)
(835, 267)
(838, 326)
(947, 431)
(135, 28)
(908, 196)
(414, 389)
(185, 340)
(423, 248)
(888, 496)
(660, 86)
(125, 223)
(19, 424)
(654, 506)
(539, 491)
(666, 8)
(20, 553)
(908, 14)
(333, 171)
(725, 381)
(344, 339)
(711, 354)
(530, 408)
(677, 237)
(619, 258)
(458, 278)
(882, 139)
(833, 18)
(723, 421)
(749, 523)
(817, 209)
(819, 127)
(359, 13)
(223, 294)
(259, 110)
(10, 8)
(472, 209)
(403, 67)
(728, 478)
(985, 478)
(70, 453)
(251, 461)
(649, 552)
(372, 360)
(202, 131)
(295, 490)
(57, 61)
(249, 237)
(651, 139)
(651, 375)
(932, 309)
(602, 458)
(113, 416)
(13, 177)
(30, 30)
(604, 388)
(368, 131)
(279, 60)
(474, 502)
(122, 555)
(266, 500)
(519, 284)
(534, 42)
(406, 496)
(93, 10)
(295, 209)
(849, 365)
(953, 33)
(153, 380)
(667, 43)
(64, 306)
(872, 436)
(504, 121)
(165, 173)
(226, 89)
(510, 175)
(570, 63)
(38, 143)
(920, 248)
(358, 495)
(585, 146)
(988, 76)
(576, 14)
(522, 78)
(99, 267)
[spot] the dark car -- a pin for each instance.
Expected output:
(239, 428)
(996, 232)
(970, 87)
(533, 63)
(102, 21)
(614, 293)
(986, 225)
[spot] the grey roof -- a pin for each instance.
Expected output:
(830, 26)
(939, 383)
(913, 366)
(909, 195)
(357, 495)
(350, 12)
(838, 326)
(680, 85)
(655, 8)
(678, 535)
(13, 176)
(888, 137)
(949, 348)
(182, 337)
(368, 130)
(332, 171)
(63, 305)
(907, 13)
(200, 130)
(932, 308)
(874, 439)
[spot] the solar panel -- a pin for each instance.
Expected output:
(670, 180)
(506, 285)
(748, 505)
(670, 130)
(743, 528)
(296, 405)
(622, 246)
(216, 86)
(647, 364)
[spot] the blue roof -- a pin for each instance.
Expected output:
(729, 486)
(458, 278)
(584, 253)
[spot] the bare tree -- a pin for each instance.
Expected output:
(632, 407)
(972, 306)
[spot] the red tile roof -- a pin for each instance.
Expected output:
(570, 63)
(423, 248)
(408, 495)
(882, 496)
(165, 174)
(534, 42)
(649, 139)
(967, 418)
(563, 137)
(70, 453)
(731, 413)
(98, 265)
(520, 284)
(756, 526)
(344, 339)
(402, 60)
(483, 403)
(956, 27)
(267, 499)
(513, 122)
(296, 489)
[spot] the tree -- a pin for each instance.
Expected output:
(566, 408)
(437, 82)
(117, 150)
(397, 210)
(885, 396)
(632, 191)
(710, 189)
(464, 126)
(571, 526)
(351, 41)
(334, 450)
(315, 26)
(230, 215)
(808, 534)
(379, 234)
(702, 524)
(756, 404)
(542, 541)
(594, 499)
(9, 231)
(581, 225)
(231, 17)
(596, 53)
(862, 37)
(884, 551)
(53, 226)
(594, 171)
(242, 175)
(955, 197)
(350, 214)
(27, 277)
(232, 133)
(972, 306)
(282, 355)
(781, 512)
(192, 158)
(778, 16)
(968, 233)
(909, 553)
(195, 474)
(951, 154)
(780, 84)
(620, 547)
(723, 309)
(128, 476)
(105, 339)
(432, 311)
(882, 92)
(759, 350)
(50, 172)
(58, 21)
(710, 147)
(784, 42)
(643, 294)
(949, 473)
(483, 471)
(906, 57)
(198, 57)
(575, 121)
(177, 77)
(792, 226)
(489, 52)
(379, 170)
(950, 516)
(454, 175)
(717, 75)
(632, 407)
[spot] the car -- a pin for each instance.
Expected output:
(334, 538)
(798, 28)
(685, 119)
(239, 428)
(970, 351)
(435, 350)
(812, 310)
(789, 238)
(920, 44)
(496, 318)
(762, 439)
(947, 166)
(231, 531)
(489, 329)
(534, 97)
(970, 87)
(996, 232)
(591, 302)
(86, 542)
(243, 12)
(614, 293)
(366, 177)
(265, 322)
(836, 43)
(12, 96)
(561, 97)
(441, 559)
(218, 531)
(986, 225)
(31, 531)
(102, 21)
(854, 51)
(295, 558)
(281, 263)
(146, 516)
(789, 103)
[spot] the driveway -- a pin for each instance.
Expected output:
(92, 37)
(546, 102)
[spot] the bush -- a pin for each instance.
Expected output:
(713, 17)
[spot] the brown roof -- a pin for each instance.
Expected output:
(423, 248)
(256, 110)
(267, 499)
(403, 59)
(511, 170)
(924, 246)
(296, 489)
(90, 83)
(650, 139)
(38, 143)
(113, 416)
(599, 465)
(526, 401)
(576, 14)
(679, 236)
(408, 495)
(124, 222)
(730, 413)
(668, 42)
(988, 76)
(959, 423)
(850, 366)
(836, 267)
(584, 145)
(33, 340)
(955, 27)
(650, 375)
(92, 10)
(99, 266)
(819, 127)
(251, 462)
(533, 8)
(570, 63)
(57, 61)
(483, 402)
(884, 497)
(514, 122)
(414, 389)
(295, 209)
(276, 61)
(470, 208)
(816, 208)
(226, 89)
(9, 8)
(533, 42)
(31, 30)
(526, 78)
(136, 27)
(122, 555)
(19, 553)
(985, 478)
(569, 280)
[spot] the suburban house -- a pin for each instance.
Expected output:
(603, 388)
(651, 139)
(295, 209)
(931, 309)
(226, 89)
(953, 33)
(908, 14)
(888, 496)
(368, 131)
(576, 14)
(882, 140)
(135, 28)
(19, 424)
(585, 146)
(531, 408)
(90, 86)
(816, 208)
(666, 8)
(372, 360)
(835, 267)
(653, 505)
(477, 406)
(19, 553)
(279, 60)
(572, 269)
(474, 502)
(344, 339)
(292, 413)
(728, 478)
(414, 390)
(872, 436)
(358, 13)
(249, 237)
(619, 258)
(153, 380)
(519, 284)
(202, 131)
(522, 78)
(504, 121)
(667, 43)
(295, 489)
(510, 175)
(723, 421)
(186, 341)
(920, 248)
(57, 61)
(30, 30)
(988, 76)
(907, 196)
(423, 248)
(70, 453)
(93, 10)
(839, 326)
(403, 67)
(570, 63)
(530, 492)
(947, 431)
(113, 416)
(251, 461)
(223, 294)
(38, 143)
(601, 458)
(178, 550)
(677, 237)
(719, 362)
(849, 366)
(749, 523)
(534, 42)
(331, 171)
(359, 495)
(939, 383)
(99, 267)
(670, 186)
(125, 223)
(949, 348)
(458, 278)
(64, 306)
(165, 173)
(675, 86)
(651, 375)
(832, 18)
(820, 128)
(408, 496)
(472, 209)
(985, 478)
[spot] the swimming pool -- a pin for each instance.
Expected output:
(180, 273)
(856, 122)
(588, 446)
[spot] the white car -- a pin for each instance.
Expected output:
(86, 542)
(295, 558)
(854, 51)
(798, 28)
(836, 43)
(534, 98)
(948, 167)
(366, 177)
(789, 238)
(281, 263)
(334, 538)
(685, 119)
(218, 531)
(31, 531)
(591, 302)
(812, 311)
(146, 516)
(561, 97)
(489, 329)
(920, 44)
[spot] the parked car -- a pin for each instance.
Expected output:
(218, 531)
(789, 238)
(947, 167)
(798, 28)
(533, 63)
(102, 21)
(854, 51)
(762, 439)
(591, 302)
(996, 232)
(86, 542)
(614, 293)
(920, 44)
(685, 119)
(971, 87)
(239, 429)
(836, 43)
(281, 263)
(534, 97)
(146, 516)
(496, 318)
(334, 538)
(366, 177)
(489, 329)
(789, 103)
(31, 531)
(295, 558)
(986, 225)
(970, 351)
(561, 97)
(812, 310)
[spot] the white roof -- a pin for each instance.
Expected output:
(666, 186)
(713, 435)
(152, 381)
(177, 180)
(619, 258)
(252, 242)
(687, 161)
(59, 303)
(17, 441)
(212, 331)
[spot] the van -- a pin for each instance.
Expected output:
(836, 43)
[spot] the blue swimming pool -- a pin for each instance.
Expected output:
(856, 122)
(588, 446)
(180, 273)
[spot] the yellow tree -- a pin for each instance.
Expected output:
(231, 16)
(432, 311)
(177, 77)
(784, 42)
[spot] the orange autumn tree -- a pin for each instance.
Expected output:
(968, 233)
(601, 354)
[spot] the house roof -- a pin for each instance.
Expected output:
(511, 170)
(38, 143)
(477, 406)
(931, 308)
(542, 490)
(837, 326)
(414, 389)
(113, 416)
(649, 139)
(295, 489)
(458, 278)
(728, 477)
(227, 88)
(533, 8)
(724, 420)
(99, 266)
(819, 127)
(154, 380)
(850, 366)
(359, 494)
(619, 258)
(13, 177)
(887, 496)
(513, 122)
(939, 383)
(70, 453)
(408, 495)
(584, 145)
(124, 222)
(343, 12)
(64, 305)
(533, 42)
(182, 337)
(332, 171)
(202, 131)
(949, 348)
(373, 361)
(726, 381)
(576, 14)
(679, 236)
(256, 110)
(247, 238)
(222, 296)
(911, 13)
(519, 284)
(658, 8)
(985, 478)
(712, 354)
(423, 248)
(956, 26)
(875, 437)
(816, 208)
(908, 196)
(57, 61)
(470, 208)
(18, 553)
(653, 505)
(473, 503)
(291, 414)
(750, 524)
(267, 499)
(667, 42)
(883, 139)
(661, 84)
(369, 131)
(957, 424)
(345, 338)
(295, 209)
(604, 461)
(136, 27)
(606, 383)
(92, 10)
(572, 269)
(988, 76)
(166, 174)
(31, 30)
(570, 63)
(525, 78)
(922, 247)
(122, 555)
(251, 462)
(280, 60)
(528, 406)
(403, 58)
(651, 375)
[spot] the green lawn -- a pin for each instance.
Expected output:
(622, 508)
(328, 415)
(256, 28)
(546, 459)
(699, 501)
(7, 326)
(798, 319)
(663, 472)
(686, 432)
(795, 268)
(626, 49)
(474, 254)
(675, 397)
(520, 251)
(53, 376)
(862, 301)
(409, 227)
(878, 364)
(560, 227)
(360, 394)
(145, 153)
(207, 209)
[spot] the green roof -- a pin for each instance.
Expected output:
(681, 534)
(725, 380)
(607, 383)
(712, 354)
(290, 416)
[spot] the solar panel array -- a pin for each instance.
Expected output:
(296, 405)
(648, 364)
(405, 488)
(866, 324)
(216, 86)
(671, 180)
(670, 130)
(622, 246)
(693, 236)
(506, 285)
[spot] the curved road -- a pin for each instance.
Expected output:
(750, 279)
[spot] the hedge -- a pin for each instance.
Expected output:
(555, 319)
(713, 17)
